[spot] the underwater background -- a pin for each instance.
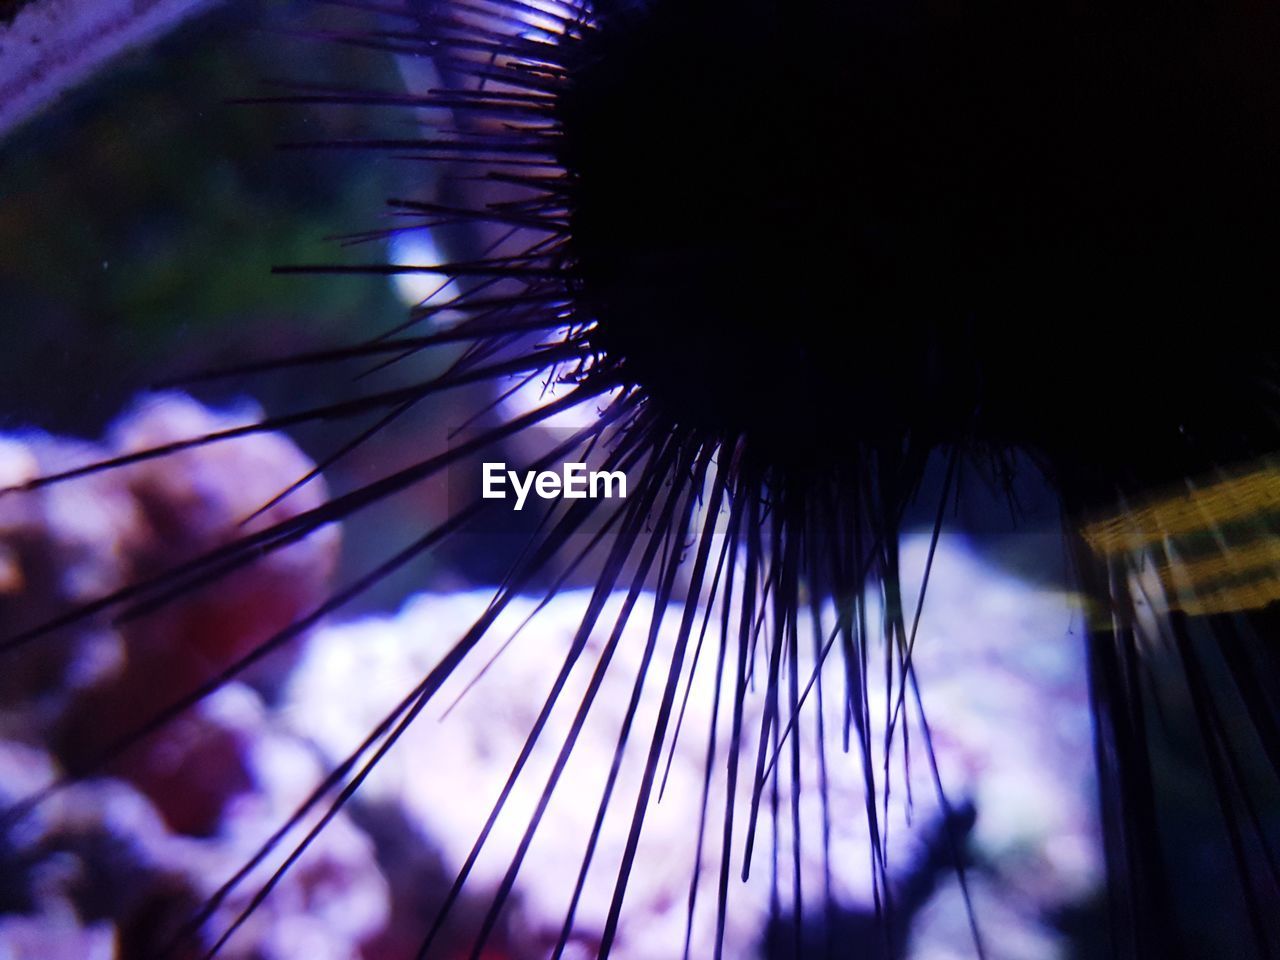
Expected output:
(141, 213)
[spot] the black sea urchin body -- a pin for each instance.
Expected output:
(788, 217)
(852, 234)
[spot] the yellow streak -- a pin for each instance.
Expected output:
(1197, 510)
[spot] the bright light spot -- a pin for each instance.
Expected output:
(519, 399)
(418, 248)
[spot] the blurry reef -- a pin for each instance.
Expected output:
(115, 865)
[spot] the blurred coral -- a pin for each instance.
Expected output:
(98, 856)
(115, 866)
(1007, 702)
(105, 867)
(71, 542)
